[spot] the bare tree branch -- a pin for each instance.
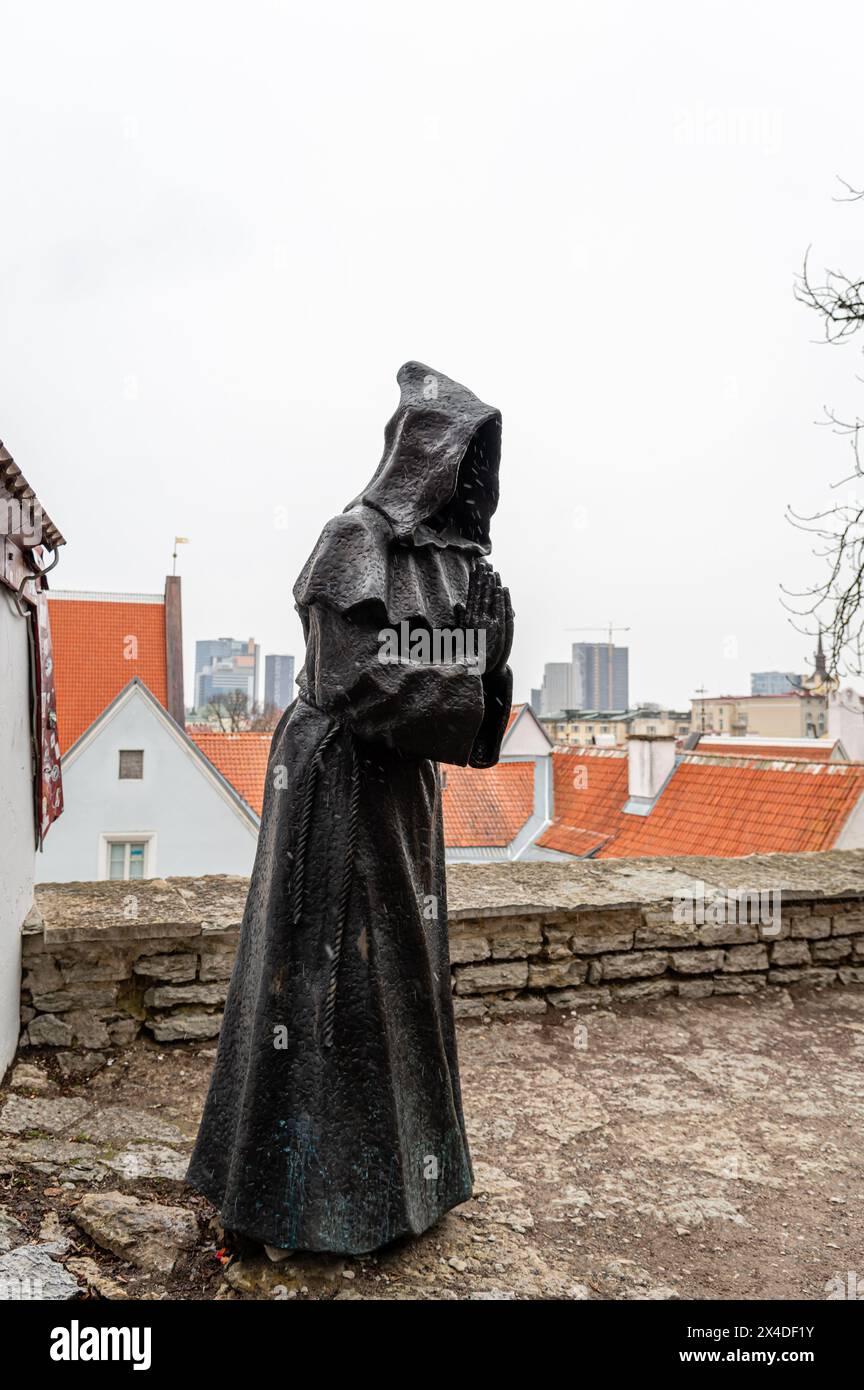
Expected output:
(834, 607)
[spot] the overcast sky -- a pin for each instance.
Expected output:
(225, 226)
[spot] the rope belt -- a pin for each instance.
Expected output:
(298, 884)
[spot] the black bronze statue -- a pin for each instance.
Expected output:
(334, 1117)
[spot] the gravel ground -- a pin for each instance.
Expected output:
(676, 1150)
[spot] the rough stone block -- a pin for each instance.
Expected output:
(42, 977)
(49, 1031)
(642, 989)
(727, 933)
(483, 979)
(469, 1008)
(88, 968)
(851, 974)
(659, 928)
(557, 974)
(695, 989)
(463, 950)
(802, 977)
(166, 996)
(741, 959)
(87, 1029)
(509, 1008)
(790, 953)
(557, 940)
(598, 932)
(183, 1025)
(835, 948)
(636, 965)
(175, 967)
(738, 984)
(122, 1031)
(809, 926)
(513, 939)
(848, 923)
(216, 965)
(696, 962)
(81, 996)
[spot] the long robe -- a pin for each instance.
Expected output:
(334, 1117)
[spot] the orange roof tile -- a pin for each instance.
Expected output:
(725, 807)
(487, 806)
(99, 642)
(241, 758)
(590, 789)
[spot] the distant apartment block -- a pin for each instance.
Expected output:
(774, 682)
(556, 692)
(600, 676)
(795, 714)
(224, 665)
(278, 681)
(612, 728)
(595, 678)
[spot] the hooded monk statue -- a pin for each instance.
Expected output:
(334, 1116)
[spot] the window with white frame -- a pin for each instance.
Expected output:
(127, 859)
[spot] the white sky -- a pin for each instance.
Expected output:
(225, 227)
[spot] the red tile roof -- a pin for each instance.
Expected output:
(487, 806)
(100, 641)
(590, 788)
(241, 758)
(514, 711)
(719, 805)
(726, 807)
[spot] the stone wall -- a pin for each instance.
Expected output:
(104, 961)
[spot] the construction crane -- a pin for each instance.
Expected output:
(609, 629)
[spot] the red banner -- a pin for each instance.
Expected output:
(48, 781)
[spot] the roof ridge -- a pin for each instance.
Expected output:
(761, 763)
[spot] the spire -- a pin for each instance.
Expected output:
(821, 669)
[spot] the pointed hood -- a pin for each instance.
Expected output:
(439, 470)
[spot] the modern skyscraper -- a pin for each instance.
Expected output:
(278, 681)
(600, 676)
(224, 665)
(557, 690)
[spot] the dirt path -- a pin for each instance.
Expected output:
(701, 1149)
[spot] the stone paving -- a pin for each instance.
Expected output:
(707, 1148)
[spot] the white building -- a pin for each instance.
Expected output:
(142, 801)
(25, 728)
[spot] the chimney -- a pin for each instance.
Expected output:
(174, 650)
(846, 722)
(650, 764)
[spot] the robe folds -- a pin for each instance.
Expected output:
(334, 1117)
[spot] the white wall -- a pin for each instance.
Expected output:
(852, 834)
(197, 829)
(17, 834)
(525, 738)
(846, 722)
